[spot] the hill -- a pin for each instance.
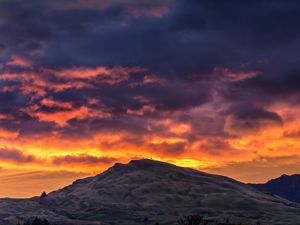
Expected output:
(146, 192)
(285, 186)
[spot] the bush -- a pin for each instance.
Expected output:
(43, 195)
(36, 221)
(192, 220)
(199, 220)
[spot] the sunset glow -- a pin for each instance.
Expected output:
(136, 81)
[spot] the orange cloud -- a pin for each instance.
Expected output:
(183, 138)
(232, 76)
(8, 134)
(152, 79)
(17, 60)
(36, 81)
(49, 102)
(82, 72)
(61, 118)
(140, 112)
(105, 75)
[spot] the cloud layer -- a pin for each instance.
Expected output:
(211, 84)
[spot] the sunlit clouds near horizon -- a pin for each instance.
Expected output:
(212, 85)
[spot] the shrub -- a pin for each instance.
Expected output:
(43, 195)
(192, 220)
(36, 221)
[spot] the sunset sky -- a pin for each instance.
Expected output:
(211, 84)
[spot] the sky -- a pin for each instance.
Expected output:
(211, 84)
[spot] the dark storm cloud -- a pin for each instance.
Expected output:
(134, 126)
(84, 159)
(11, 102)
(187, 46)
(182, 42)
(245, 118)
(278, 85)
(247, 111)
(30, 126)
(173, 96)
(187, 41)
(15, 156)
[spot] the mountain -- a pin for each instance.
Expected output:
(284, 186)
(146, 192)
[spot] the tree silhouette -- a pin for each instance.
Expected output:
(43, 195)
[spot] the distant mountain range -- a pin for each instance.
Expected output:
(150, 192)
(284, 186)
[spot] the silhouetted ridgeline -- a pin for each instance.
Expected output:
(285, 186)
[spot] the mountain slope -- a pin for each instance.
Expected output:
(128, 193)
(285, 186)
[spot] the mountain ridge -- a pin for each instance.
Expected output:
(125, 194)
(285, 186)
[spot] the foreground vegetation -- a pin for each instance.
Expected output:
(187, 220)
(199, 220)
(35, 221)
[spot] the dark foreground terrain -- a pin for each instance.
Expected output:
(152, 192)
